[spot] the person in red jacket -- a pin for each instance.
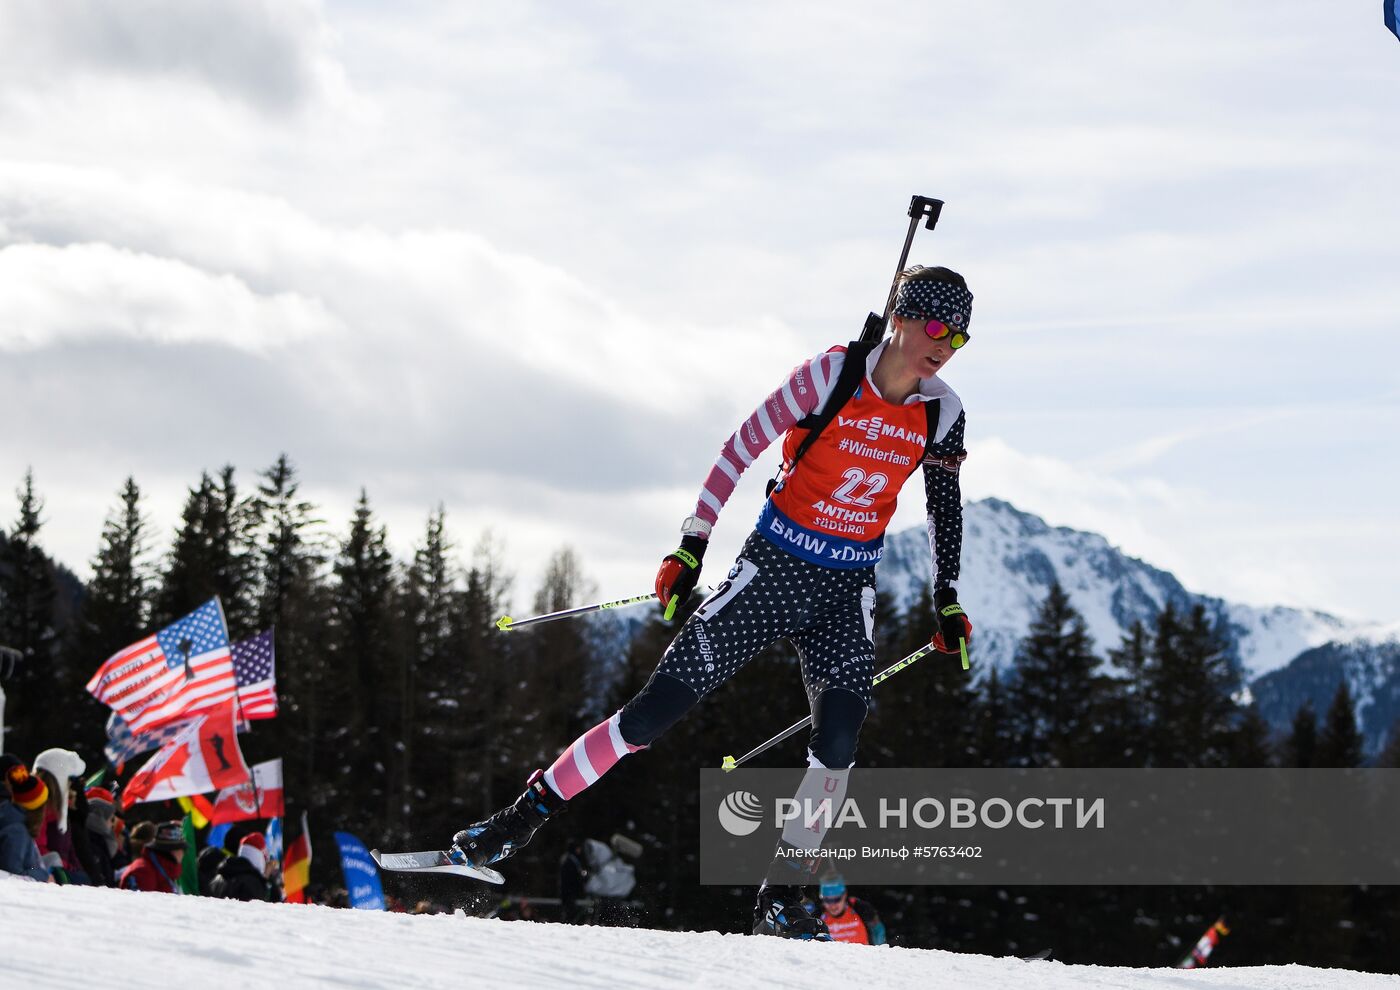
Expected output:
(848, 918)
(158, 866)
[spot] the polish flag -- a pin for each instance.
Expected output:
(204, 757)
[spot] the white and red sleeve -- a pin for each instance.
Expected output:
(800, 394)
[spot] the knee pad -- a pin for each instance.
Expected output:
(836, 721)
(654, 709)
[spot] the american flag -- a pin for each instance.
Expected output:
(182, 670)
(123, 744)
(253, 661)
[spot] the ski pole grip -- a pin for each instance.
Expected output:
(926, 208)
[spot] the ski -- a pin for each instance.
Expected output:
(433, 861)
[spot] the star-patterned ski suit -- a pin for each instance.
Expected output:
(807, 572)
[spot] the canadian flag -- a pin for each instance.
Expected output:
(204, 757)
(260, 797)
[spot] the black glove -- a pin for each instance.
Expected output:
(954, 627)
(679, 573)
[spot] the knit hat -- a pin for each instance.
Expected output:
(169, 835)
(143, 833)
(28, 791)
(101, 800)
(64, 764)
(253, 849)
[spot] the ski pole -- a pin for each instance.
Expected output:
(505, 623)
(730, 763)
(920, 208)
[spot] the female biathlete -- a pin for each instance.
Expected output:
(806, 573)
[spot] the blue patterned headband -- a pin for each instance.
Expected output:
(923, 299)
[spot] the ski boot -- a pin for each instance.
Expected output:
(784, 912)
(499, 836)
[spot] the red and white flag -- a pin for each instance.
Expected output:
(182, 670)
(205, 757)
(260, 797)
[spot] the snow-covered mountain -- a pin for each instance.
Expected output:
(1011, 557)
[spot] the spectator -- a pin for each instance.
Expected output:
(211, 858)
(57, 768)
(78, 831)
(847, 918)
(63, 765)
(158, 867)
(244, 877)
(22, 800)
(138, 839)
(101, 824)
(573, 874)
(55, 846)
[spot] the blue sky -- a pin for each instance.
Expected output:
(535, 261)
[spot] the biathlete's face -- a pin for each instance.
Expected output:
(835, 906)
(923, 353)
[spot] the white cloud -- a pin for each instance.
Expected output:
(273, 54)
(51, 295)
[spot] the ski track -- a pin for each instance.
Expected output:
(74, 937)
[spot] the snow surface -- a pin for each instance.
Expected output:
(80, 937)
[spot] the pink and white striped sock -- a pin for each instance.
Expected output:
(591, 755)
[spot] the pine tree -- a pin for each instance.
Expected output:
(27, 579)
(428, 602)
(1190, 692)
(924, 716)
(1390, 756)
(552, 699)
(994, 740)
(214, 553)
(1340, 743)
(483, 767)
(1127, 702)
(1300, 749)
(291, 600)
(1251, 745)
(365, 691)
(38, 685)
(1055, 689)
(116, 609)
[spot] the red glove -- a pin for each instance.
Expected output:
(679, 573)
(954, 627)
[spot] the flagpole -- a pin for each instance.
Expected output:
(238, 706)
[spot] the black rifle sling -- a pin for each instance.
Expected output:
(847, 381)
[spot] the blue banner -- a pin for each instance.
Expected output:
(1390, 17)
(361, 875)
(274, 839)
(217, 833)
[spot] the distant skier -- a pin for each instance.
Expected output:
(807, 573)
(847, 918)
